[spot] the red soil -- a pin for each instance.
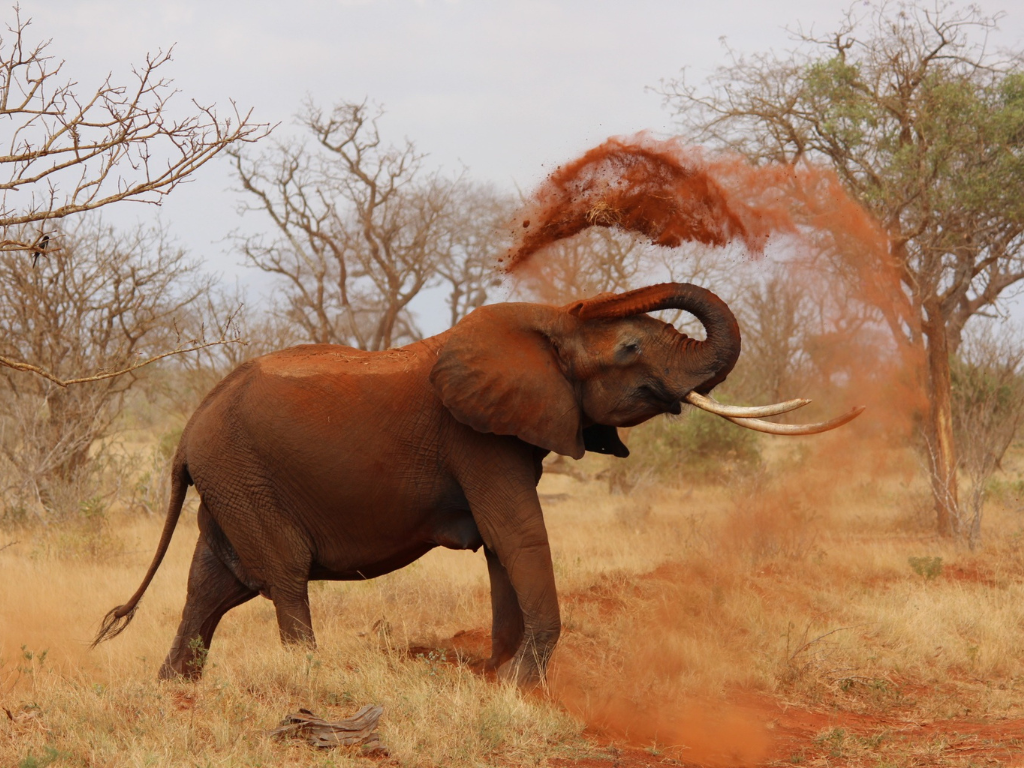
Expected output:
(811, 737)
(743, 728)
(970, 573)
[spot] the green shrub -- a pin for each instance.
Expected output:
(1009, 493)
(697, 446)
(49, 757)
(927, 567)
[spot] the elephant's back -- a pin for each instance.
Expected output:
(312, 381)
(311, 361)
(316, 408)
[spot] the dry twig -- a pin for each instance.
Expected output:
(358, 730)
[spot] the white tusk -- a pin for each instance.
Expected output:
(797, 429)
(711, 405)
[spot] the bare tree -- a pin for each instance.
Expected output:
(70, 152)
(473, 243)
(102, 300)
(988, 411)
(922, 124)
(361, 228)
(597, 260)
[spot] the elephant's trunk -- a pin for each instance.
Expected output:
(709, 361)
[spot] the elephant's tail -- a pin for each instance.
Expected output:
(117, 620)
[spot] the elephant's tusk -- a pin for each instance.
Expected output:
(711, 405)
(797, 429)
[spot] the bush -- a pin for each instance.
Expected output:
(697, 446)
(927, 567)
(152, 486)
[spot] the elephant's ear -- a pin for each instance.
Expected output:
(499, 372)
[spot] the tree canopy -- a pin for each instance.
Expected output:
(924, 125)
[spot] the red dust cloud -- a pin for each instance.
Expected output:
(835, 252)
(662, 190)
(671, 193)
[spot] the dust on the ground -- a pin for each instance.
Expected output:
(670, 193)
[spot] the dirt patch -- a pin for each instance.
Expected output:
(608, 595)
(820, 736)
(741, 727)
(613, 756)
(469, 647)
(184, 700)
(969, 573)
(798, 735)
(472, 643)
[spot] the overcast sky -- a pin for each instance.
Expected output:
(507, 88)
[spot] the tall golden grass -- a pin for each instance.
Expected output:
(801, 585)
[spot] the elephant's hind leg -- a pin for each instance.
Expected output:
(291, 602)
(213, 590)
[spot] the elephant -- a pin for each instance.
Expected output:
(325, 462)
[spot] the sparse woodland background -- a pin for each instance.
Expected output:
(362, 240)
(715, 581)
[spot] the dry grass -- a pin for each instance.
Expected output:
(692, 616)
(104, 707)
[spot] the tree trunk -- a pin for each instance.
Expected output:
(66, 427)
(941, 448)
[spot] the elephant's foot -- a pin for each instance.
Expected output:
(303, 640)
(526, 675)
(520, 670)
(184, 664)
(528, 668)
(169, 672)
(294, 621)
(489, 668)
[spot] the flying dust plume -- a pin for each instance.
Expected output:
(832, 251)
(660, 189)
(671, 193)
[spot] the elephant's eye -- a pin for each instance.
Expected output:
(627, 353)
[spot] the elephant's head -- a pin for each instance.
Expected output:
(563, 378)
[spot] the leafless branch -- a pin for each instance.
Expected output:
(68, 153)
(193, 346)
(105, 301)
(360, 229)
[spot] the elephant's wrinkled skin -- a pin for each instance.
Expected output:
(325, 462)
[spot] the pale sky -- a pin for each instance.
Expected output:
(506, 88)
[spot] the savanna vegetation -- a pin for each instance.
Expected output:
(728, 598)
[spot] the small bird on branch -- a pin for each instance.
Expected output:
(40, 249)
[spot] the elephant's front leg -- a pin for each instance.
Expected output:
(533, 578)
(506, 615)
(508, 514)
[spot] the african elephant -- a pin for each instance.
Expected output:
(325, 462)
